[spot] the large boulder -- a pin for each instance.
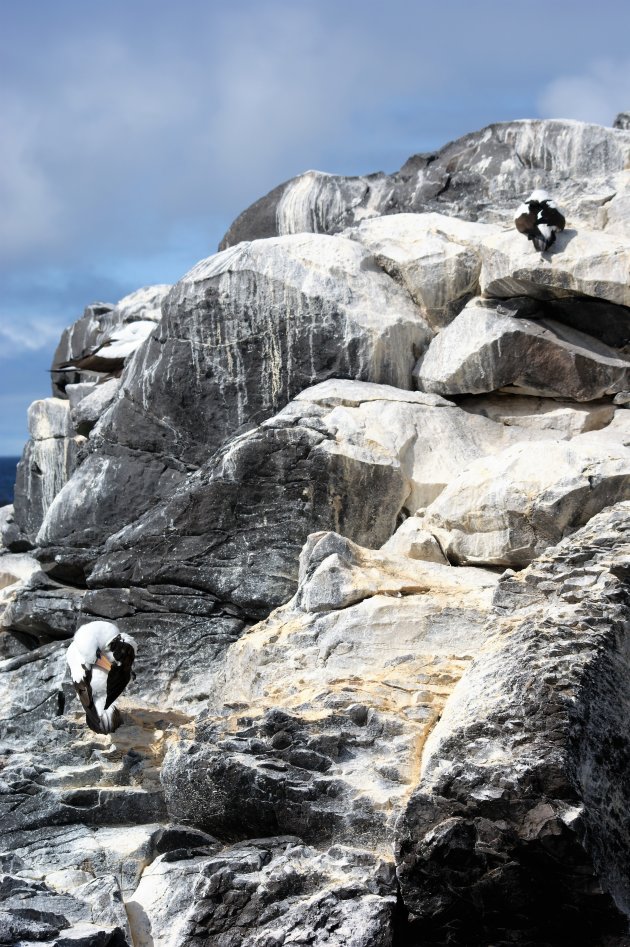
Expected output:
(517, 831)
(485, 349)
(242, 333)
(48, 461)
(436, 258)
(583, 262)
(482, 176)
(508, 508)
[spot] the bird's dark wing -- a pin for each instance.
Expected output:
(551, 216)
(120, 674)
(93, 362)
(526, 223)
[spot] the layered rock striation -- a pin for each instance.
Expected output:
(362, 495)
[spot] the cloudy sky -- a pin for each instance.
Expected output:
(132, 133)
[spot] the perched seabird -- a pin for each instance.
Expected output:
(100, 657)
(539, 219)
(112, 353)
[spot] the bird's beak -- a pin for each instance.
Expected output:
(103, 663)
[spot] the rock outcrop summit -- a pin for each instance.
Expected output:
(362, 497)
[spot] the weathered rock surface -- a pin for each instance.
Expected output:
(586, 262)
(436, 258)
(483, 350)
(481, 176)
(517, 830)
(95, 324)
(326, 705)
(265, 891)
(49, 459)
(506, 509)
(89, 409)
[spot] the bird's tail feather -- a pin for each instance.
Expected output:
(107, 722)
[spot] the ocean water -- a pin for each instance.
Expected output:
(7, 479)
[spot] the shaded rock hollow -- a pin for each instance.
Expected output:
(350, 724)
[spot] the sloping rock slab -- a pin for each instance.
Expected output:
(506, 509)
(483, 350)
(247, 329)
(436, 258)
(517, 832)
(585, 262)
(344, 455)
(50, 457)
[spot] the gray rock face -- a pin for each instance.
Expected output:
(436, 258)
(484, 350)
(506, 509)
(516, 832)
(265, 891)
(482, 176)
(49, 459)
(90, 408)
(622, 121)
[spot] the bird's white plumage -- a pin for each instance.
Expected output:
(91, 641)
(546, 230)
(539, 195)
(521, 209)
(126, 339)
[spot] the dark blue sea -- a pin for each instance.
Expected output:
(7, 479)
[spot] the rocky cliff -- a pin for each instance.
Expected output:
(363, 498)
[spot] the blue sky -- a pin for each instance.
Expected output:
(132, 133)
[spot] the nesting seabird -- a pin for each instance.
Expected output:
(539, 219)
(111, 354)
(100, 657)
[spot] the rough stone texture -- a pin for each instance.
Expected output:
(319, 727)
(436, 258)
(265, 892)
(622, 121)
(48, 461)
(586, 262)
(565, 418)
(483, 350)
(476, 177)
(506, 509)
(517, 830)
(88, 410)
(412, 539)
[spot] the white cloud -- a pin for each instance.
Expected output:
(28, 335)
(597, 95)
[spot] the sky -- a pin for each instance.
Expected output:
(132, 133)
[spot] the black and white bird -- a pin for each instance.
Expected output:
(539, 219)
(100, 658)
